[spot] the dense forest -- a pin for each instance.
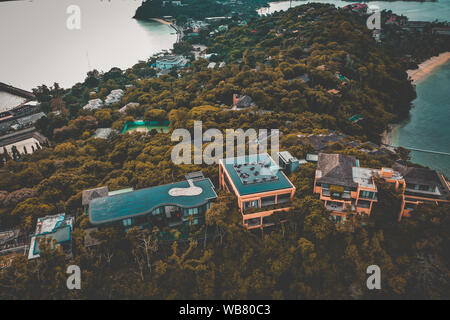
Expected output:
(196, 9)
(306, 258)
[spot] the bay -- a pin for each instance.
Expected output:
(37, 47)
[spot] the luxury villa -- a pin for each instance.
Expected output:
(171, 61)
(57, 228)
(262, 189)
(422, 185)
(343, 185)
(179, 204)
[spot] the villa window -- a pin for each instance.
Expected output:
(253, 222)
(190, 212)
(251, 204)
(282, 198)
(157, 211)
(127, 222)
(424, 188)
(335, 218)
(367, 194)
(267, 201)
(364, 204)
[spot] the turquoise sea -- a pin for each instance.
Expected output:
(429, 125)
(425, 11)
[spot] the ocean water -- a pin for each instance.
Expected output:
(425, 11)
(429, 125)
(36, 46)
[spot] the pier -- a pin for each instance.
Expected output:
(419, 150)
(177, 29)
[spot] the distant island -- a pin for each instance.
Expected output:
(200, 9)
(197, 9)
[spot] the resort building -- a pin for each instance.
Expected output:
(210, 20)
(12, 97)
(261, 188)
(104, 133)
(422, 185)
(21, 116)
(180, 204)
(128, 106)
(13, 241)
(288, 162)
(25, 142)
(415, 26)
(58, 227)
(173, 3)
(94, 104)
(114, 97)
(343, 185)
(442, 31)
(242, 101)
(91, 194)
(360, 8)
(171, 61)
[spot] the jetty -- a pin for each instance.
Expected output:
(16, 91)
(419, 150)
(178, 30)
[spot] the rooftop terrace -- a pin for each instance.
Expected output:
(364, 177)
(255, 173)
(57, 227)
(140, 202)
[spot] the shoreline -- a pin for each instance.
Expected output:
(387, 136)
(179, 32)
(427, 67)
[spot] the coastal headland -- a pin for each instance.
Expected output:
(426, 67)
(417, 75)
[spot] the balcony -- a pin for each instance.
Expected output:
(364, 204)
(267, 201)
(335, 206)
(345, 195)
(278, 206)
(254, 222)
(368, 195)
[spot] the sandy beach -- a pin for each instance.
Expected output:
(417, 75)
(426, 67)
(178, 30)
(387, 135)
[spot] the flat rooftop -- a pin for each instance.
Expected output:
(139, 202)
(364, 176)
(60, 235)
(57, 227)
(255, 174)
